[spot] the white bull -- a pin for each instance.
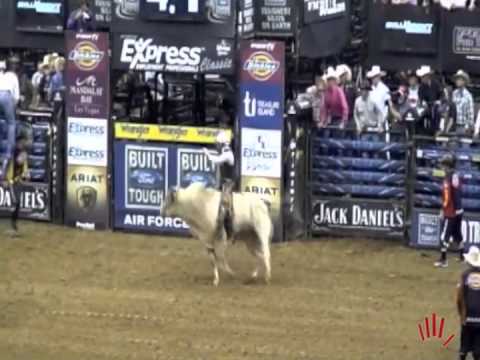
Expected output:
(199, 208)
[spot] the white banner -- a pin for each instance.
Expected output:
(261, 153)
(87, 141)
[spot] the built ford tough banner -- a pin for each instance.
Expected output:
(143, 174)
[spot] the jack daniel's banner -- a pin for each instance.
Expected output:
(34, 201)
(357, 216)
(173, 54)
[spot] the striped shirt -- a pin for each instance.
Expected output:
(463, 100)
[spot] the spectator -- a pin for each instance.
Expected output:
(345, 82)
(380, 93)
(477, 126)
(317, 98)
(367, 115)
(37, 80)
(457, 4)
(463, 101)
(56, 86)
(336, 107)
(81, 19)
(413, 86)
(429, 90)
(9, 98)
(447, 112)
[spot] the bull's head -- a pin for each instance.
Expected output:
(169, 206)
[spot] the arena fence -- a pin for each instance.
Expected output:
(377, 185)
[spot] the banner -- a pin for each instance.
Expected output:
(268, 189)
(246, 18)
(87, 141)
(426, 229)
(87, 106)
(322, 10)
(39, 15)
(34, 201)
(168, 133)
(261, 153)
(143, 174)
(164, 54)
(87, 75)
(410, 31)
(87, 197)
(261, 119)
(357, 216)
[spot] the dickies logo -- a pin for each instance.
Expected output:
(86, 56)
(261, 65)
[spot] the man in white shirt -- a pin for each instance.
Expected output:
(380, 93)
(367, 115)
(9, 97)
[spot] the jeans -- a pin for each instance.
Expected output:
(7, 104)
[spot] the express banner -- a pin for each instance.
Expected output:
(357, 217)
(35, 201)
(143, 174)
(261, 119)
(426, 229)
(87, 75)
(177, 54)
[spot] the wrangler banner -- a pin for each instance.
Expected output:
(168, 133)
(359, 217)
(143, 174)
(261, 118)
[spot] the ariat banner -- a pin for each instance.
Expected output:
(268, 189)
(35, 200)
(167, 133)
(87, 197)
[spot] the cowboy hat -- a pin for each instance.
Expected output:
(462, 74)
(375, 71)
(331, 74)
(424, 70)
(473, 256)
(344, 69)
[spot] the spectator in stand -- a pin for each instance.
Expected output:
(367, 115)
(317, 97)
(430, 90)
(345, 82)
(477, 126)
(463, 100)
(457, 4)
(37, 80)
(447, 112)
(56, 87)
(9, 98)
(81, 19)
(380, 93)
(413, 86)
(336, 106)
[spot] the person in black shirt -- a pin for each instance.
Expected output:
(429, 94)
(17, 171)
(81, 19)
(468, 306)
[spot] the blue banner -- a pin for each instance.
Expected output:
(143, 174)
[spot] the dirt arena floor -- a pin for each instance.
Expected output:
(74, 295)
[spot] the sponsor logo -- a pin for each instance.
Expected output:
(275, 2)
(32, 200)
(427, 330)
(142, 54)
(466, 40)
(250, 105)
(41, 7)
(146, 172)
(81, 128)
(194, 166)
(410, 27)
(261, 190)
(85, 226)
(326, 7)
(90, 81)
(86, 198)
(224, 48)
(330, 214)
(86, 56)
(261, 65)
